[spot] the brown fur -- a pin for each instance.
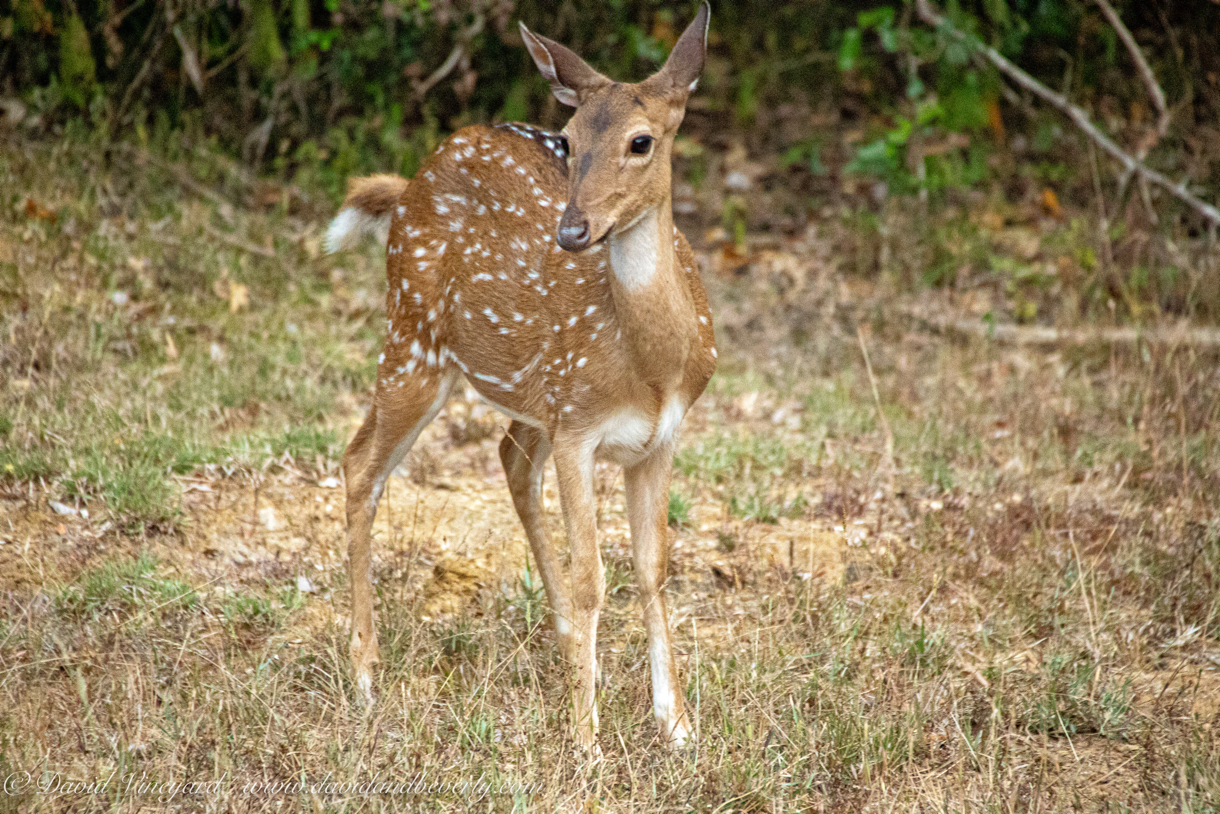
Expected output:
(591, 357)
(375, 195)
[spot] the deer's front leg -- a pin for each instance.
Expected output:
(574, 469)
(524, 451)
(648, 514)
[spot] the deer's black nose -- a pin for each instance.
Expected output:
(573, 230)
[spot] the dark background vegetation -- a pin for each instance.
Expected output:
(848, 104)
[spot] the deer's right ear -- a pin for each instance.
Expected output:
(570, 77)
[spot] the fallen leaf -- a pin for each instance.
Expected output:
(61, 508)
(35, 210)
(663, 30)
(996, 121)
(171, 350)
(1050, 203)
(990, 219)
(239, 297)
(269, 519)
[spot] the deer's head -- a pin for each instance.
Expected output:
(621, 136)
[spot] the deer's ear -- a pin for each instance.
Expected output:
(685, 62)
(570, 77)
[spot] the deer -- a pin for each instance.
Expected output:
(545, 270)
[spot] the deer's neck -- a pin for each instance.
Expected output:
(652, 298)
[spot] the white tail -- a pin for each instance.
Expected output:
(545, 268)
(368, 210)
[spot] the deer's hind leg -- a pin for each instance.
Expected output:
(399, 414)
(523, 452)
(647, 512)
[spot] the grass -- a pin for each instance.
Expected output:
(1023, 616)
(139, 364)
(122, 586)
(679, 510)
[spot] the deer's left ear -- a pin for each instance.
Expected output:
(685, 62)
(570, 76)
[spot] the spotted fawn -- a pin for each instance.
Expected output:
(545, 270)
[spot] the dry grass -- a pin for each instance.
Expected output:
(1025, 617)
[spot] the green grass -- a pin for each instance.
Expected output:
(135, 369)
(679, 510)
(123, 586)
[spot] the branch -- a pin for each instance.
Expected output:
(1154, 89)
(146, 68)
(1076, 114)
(180, 174)
(451, 61)
(1181, 334)
(238, 243)
(1158, 101)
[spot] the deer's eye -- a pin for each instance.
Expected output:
(640, 145)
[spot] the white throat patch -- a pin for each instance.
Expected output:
(633, 253)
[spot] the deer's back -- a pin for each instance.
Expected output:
(477, 279)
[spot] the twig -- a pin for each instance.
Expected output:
(1158, 102)
(1103, 229)
(1076, 114)
(190, 60)
(1137, 56)
(451, 61)
(180, 174)
(238, 243)
(885, 422)
(440, 73)
(1040, 335)
(146, 68)
(227, 61)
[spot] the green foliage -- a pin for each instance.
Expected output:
(76, 67)
(258, 612)
(880, 20)
(339, 84)
(679, 510)
(1076, 697)
(808, 153)
(266, 51)
(312, 69)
